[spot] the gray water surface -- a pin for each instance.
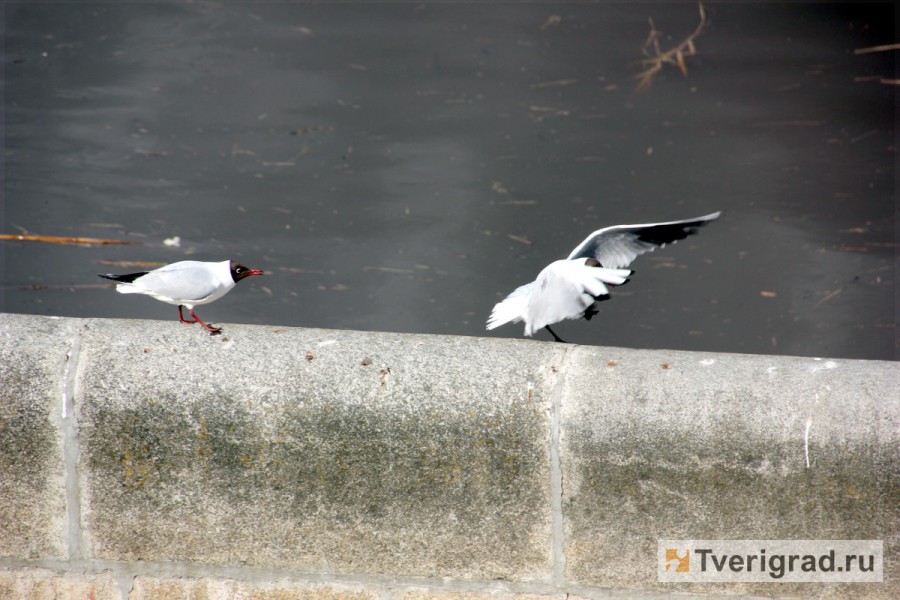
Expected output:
(403, 166)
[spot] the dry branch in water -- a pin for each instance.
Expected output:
(656, 57)
(131, 264)
(882, 48)
(52, 239)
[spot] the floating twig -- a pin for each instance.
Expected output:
(551, 21)
(882, 48)
(828, 297)
(131, 264)
(656, 57)
(879, 79)
(52, 239)
(37, 287)
(384, 269)
(556, 83)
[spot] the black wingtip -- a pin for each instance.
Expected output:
(669, 233)
(128, 278)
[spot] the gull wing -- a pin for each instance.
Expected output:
(182, 282)
(615, 247)
(565, 289)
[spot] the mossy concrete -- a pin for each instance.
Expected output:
(313, 449)
(681, 445)
(33, 362)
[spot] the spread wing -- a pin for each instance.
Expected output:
(615, 247)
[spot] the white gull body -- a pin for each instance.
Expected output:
(187, 283)
(570, 288)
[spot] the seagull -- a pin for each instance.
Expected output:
(571, 288)
(186, 283)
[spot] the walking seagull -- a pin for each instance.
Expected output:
(186, 283)
(571, 288)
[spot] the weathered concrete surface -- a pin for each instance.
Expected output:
(681, 445)
(283, 462)
(32, 488)
(152, 588)
(42, 584)
(315, 450)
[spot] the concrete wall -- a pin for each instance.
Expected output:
(145, 459)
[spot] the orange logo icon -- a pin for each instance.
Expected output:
(680, 563)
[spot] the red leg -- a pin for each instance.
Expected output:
(209, 328)
(181, 317)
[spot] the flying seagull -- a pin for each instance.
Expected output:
(186, 283)
(571, 288)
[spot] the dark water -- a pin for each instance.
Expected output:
(403, 166)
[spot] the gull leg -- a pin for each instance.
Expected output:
(181, 317)
(212, 330)
(555, 337)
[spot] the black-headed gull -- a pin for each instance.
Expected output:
(186, 283)
(570, 288)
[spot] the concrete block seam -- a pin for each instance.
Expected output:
(558, 557)
(71, 445)
(383, 587)
(388, 586)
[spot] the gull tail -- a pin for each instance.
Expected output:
(129, 278)
(125, 282)
(511, 309)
